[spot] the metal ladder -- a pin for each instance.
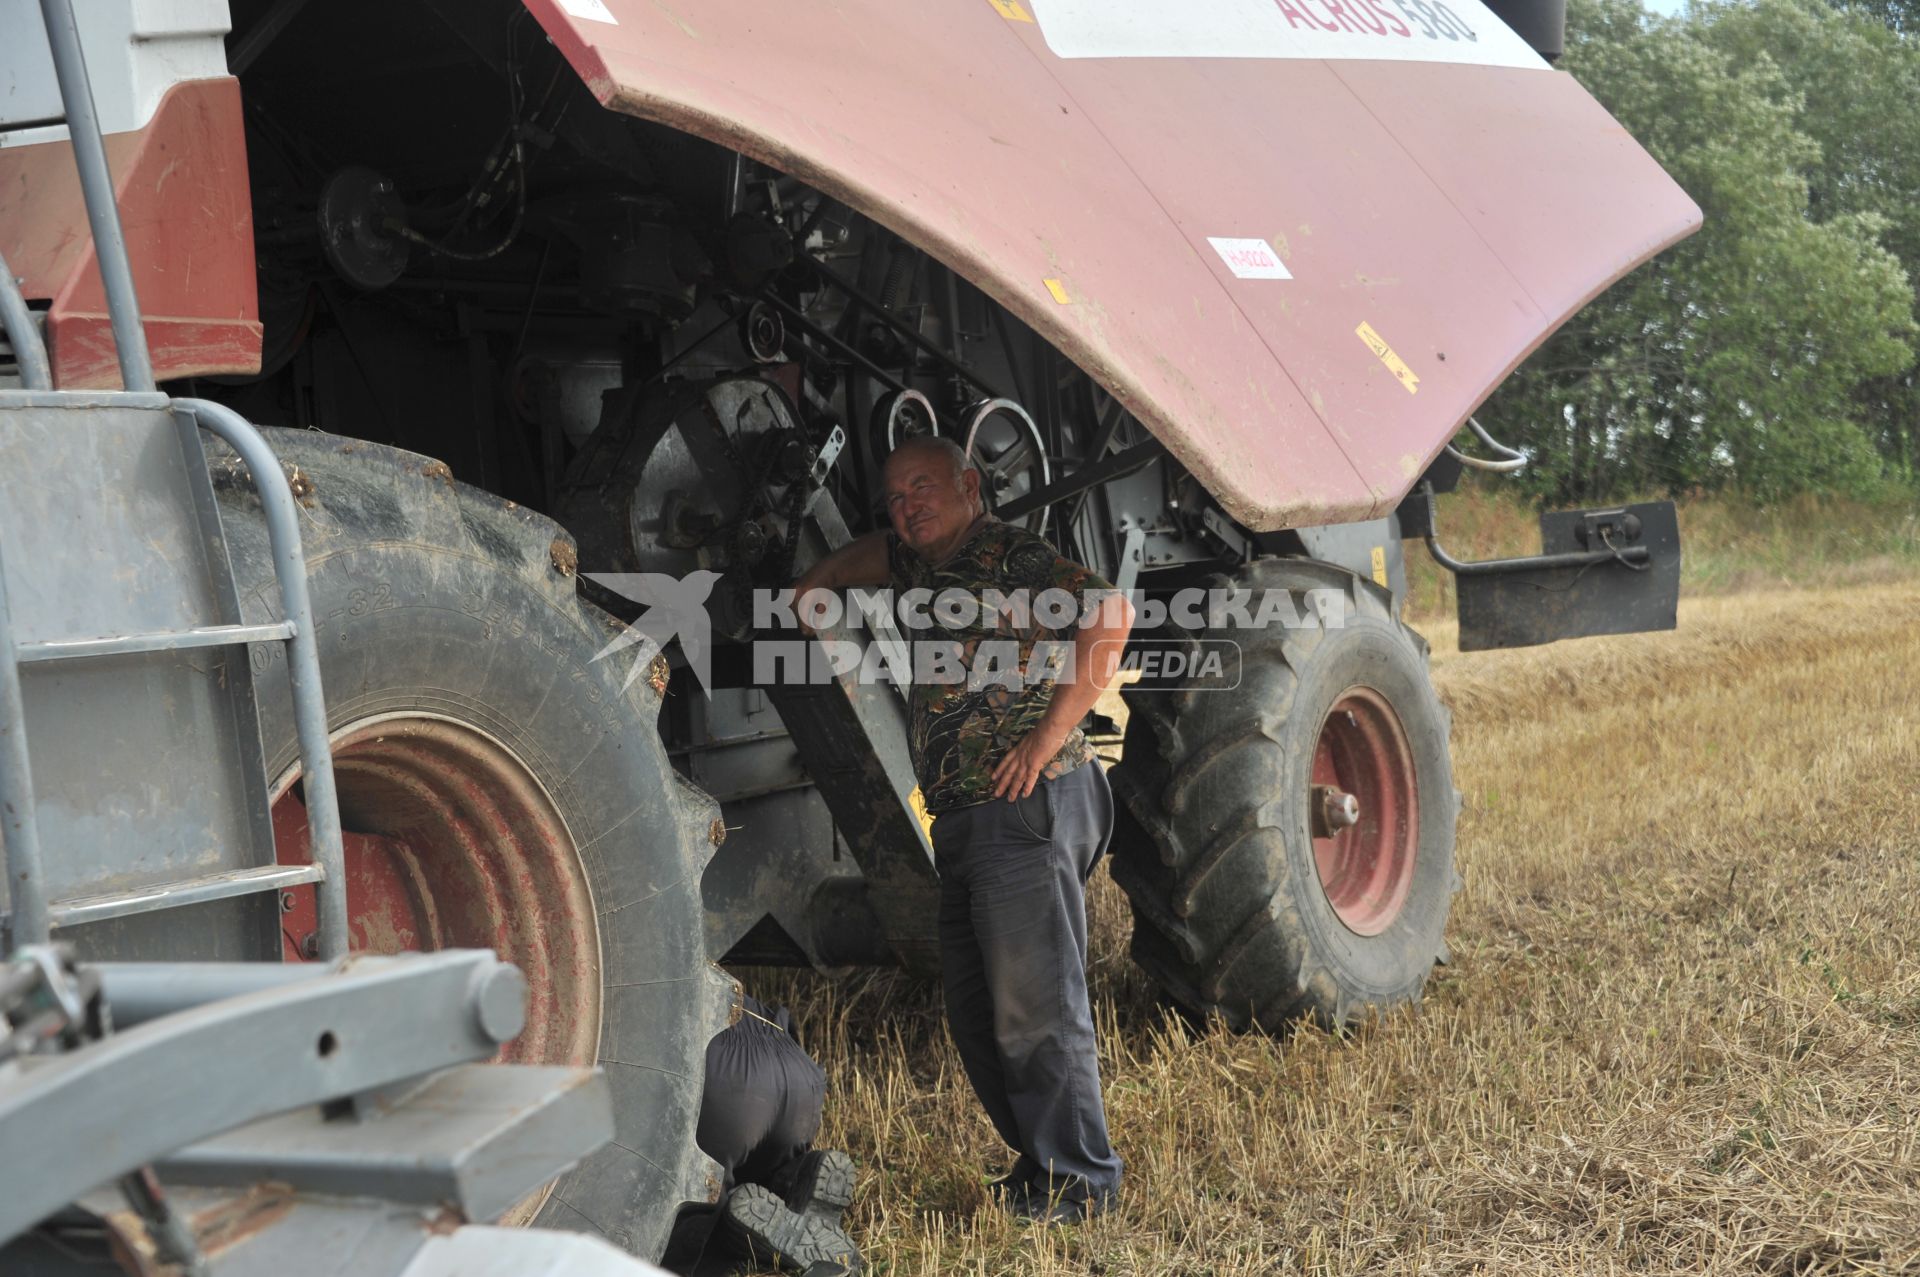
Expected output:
(122, 655)
(124, 658)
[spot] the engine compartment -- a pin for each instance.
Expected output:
(460, 252)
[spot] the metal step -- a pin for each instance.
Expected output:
(186, 891)
(155, 641)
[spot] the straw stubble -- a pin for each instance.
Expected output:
(1681, 1030)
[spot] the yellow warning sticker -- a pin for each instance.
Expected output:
(1384, 353)
(918, 801)
(1059, 291)
(1380, 565)
(1011, 10)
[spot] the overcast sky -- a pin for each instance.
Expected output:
(1664, 6)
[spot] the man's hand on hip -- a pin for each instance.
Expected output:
(1017, 773)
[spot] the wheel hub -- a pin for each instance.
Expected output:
(1333, 810)
(452, 843)
(1364, 811)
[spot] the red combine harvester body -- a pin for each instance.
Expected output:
(1433, 201)
(549, 290)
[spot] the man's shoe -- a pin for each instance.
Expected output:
(1014, 1182)
(1007, 1189)
(775, 1235)
(1069, 1202)
(1035, 1209)
(823, 1187)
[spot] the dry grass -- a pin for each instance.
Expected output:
(1681, 1030)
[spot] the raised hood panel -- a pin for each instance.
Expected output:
(1401, 212)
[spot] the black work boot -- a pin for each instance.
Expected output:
(776, 1235)
(1067, 1200)
(823, 1186)
(1012, 1186)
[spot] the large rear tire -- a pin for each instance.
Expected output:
(1239, 909)
(501, 788)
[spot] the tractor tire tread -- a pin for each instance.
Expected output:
(1198, 830)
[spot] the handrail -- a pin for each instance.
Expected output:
(28, 350)
(303, 660)
(30, 908)
(96, 184)
(26, 876)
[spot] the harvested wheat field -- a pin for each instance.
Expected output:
(1680, 1031)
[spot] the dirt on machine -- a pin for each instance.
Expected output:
(534, 303)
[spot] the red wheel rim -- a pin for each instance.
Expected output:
(1366, 868)
(452, 843)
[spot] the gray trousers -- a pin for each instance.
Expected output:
(1013, 961)
(762, 1102)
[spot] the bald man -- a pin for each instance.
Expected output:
(1022, 814)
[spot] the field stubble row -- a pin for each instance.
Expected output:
(1680, 1030)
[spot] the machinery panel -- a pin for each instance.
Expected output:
(1300, 267)
(181, 182)
(1520, 605)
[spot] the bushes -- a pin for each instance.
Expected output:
(1771, 352)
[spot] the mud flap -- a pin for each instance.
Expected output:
(1612, 571)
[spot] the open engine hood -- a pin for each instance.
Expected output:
(1300, 239)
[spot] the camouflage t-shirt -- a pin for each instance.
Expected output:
(970, 705)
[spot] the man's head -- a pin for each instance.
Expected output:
(933, 495)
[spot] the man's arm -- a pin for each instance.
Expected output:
(861, 561)
(1097, 648)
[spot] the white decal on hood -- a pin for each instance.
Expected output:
(1351, 30)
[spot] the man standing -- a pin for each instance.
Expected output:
(1021, 808)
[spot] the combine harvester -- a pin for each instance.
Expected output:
(524, 294)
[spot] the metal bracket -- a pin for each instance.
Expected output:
(1613, 531)
(132, 1097)
(1228, 535)
(44, 996)
(1629, 555)
(1613, 571)
(828, 454)
(1132, 554)
(479, 1135)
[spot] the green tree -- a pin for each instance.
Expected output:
(1859, 80)
(1738, 356)
(1899, 15)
